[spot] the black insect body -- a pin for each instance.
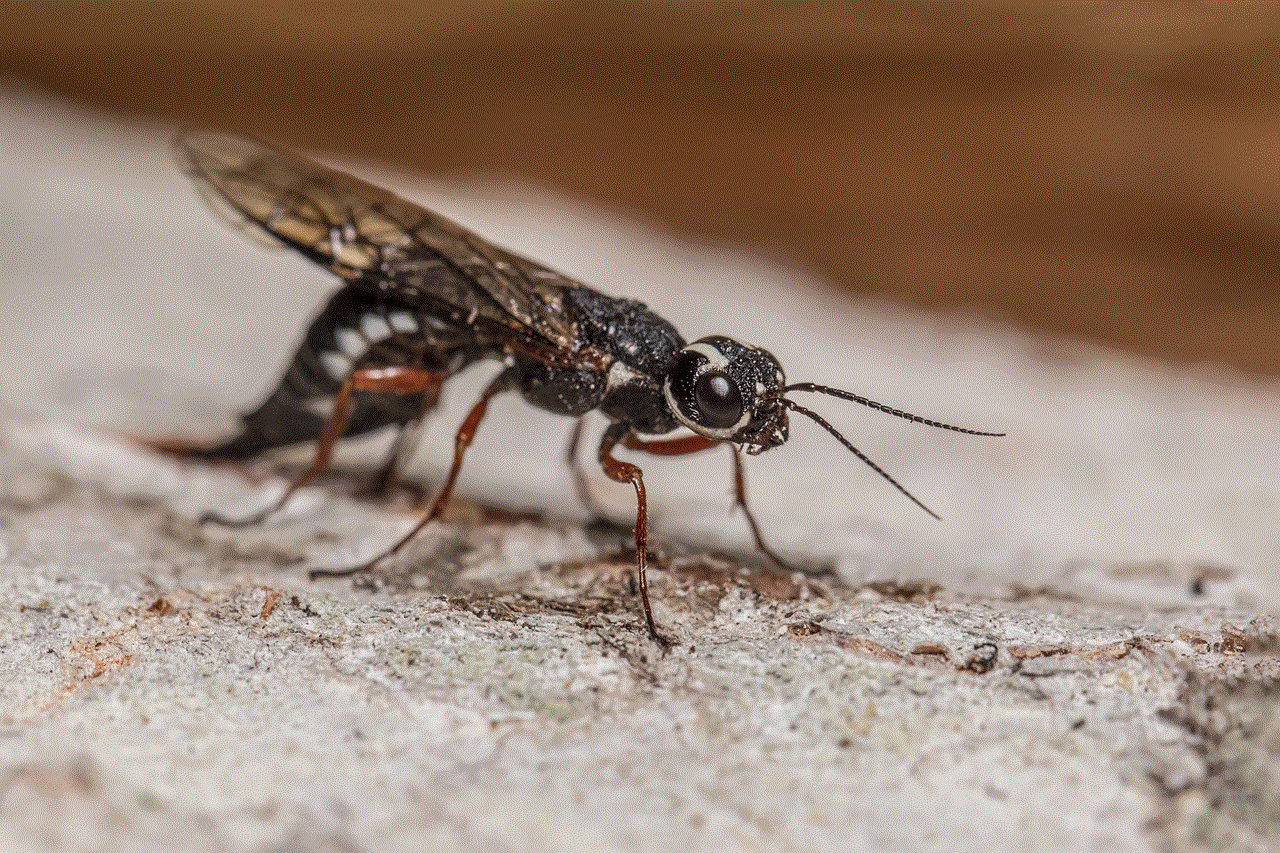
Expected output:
(424, 298)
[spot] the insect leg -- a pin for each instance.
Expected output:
(406, 441)
(693, 444)
(579, 476)
(740, 500)
(402, 447)
(393, 380)
(462, 440)
(669, 446)
(625, 472)
(580, 483)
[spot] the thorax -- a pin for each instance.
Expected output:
(639, 347)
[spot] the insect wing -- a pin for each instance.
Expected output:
(373, 237)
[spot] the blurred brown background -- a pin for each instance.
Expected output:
(1109, 171)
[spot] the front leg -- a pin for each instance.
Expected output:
(694, 444)
(625, 472)
(740, 500)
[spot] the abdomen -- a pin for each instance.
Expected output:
(356, 329)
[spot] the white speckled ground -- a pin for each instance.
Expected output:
(1082, 656)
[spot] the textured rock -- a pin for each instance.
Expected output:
(1081, 657)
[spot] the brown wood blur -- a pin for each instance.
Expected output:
(1105, 170)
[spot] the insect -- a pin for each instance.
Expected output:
(422, 298)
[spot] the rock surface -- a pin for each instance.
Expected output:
(1083, 656)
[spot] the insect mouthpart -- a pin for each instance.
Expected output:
(773, 427)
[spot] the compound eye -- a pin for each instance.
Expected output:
(718, 399)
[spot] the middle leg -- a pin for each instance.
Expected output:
(580, 483)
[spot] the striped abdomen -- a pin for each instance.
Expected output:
(355, 330)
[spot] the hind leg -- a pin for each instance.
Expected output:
(405, 443)
(384, 380)
(504, 381)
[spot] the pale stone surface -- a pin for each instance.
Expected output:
(1081, 657)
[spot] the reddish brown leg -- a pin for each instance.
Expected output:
(461, 441)
(405, 443)
(693, 444)
(669, 446)
(387, 380)
(664, 447)
(625, 472)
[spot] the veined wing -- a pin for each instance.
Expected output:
(374, 238)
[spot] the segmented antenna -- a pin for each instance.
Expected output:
(794, 406)
(881, 407)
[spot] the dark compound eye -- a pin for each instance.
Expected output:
(683, 372)
(718, 400)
